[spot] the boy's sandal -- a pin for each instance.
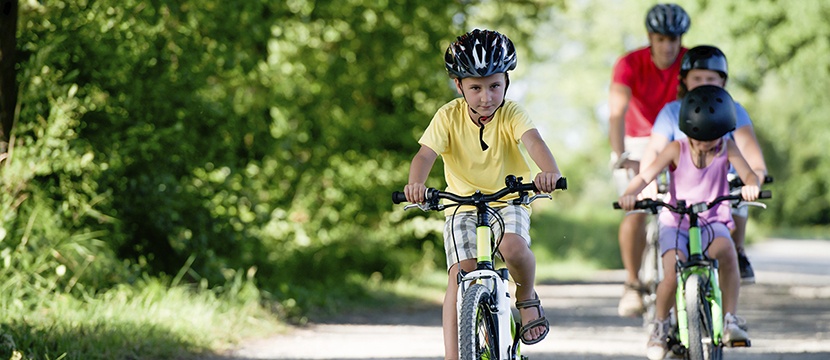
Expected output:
(535, 302)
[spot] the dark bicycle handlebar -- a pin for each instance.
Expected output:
(737, 182)
(513, 185)
(650, 204)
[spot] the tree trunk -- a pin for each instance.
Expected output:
(8, 75)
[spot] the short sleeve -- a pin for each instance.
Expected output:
(667, 120)
(623, 72)
(436, 135)
(743, 117)
(519, 120)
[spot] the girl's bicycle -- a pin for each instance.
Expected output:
(486, 326)
(698, 297)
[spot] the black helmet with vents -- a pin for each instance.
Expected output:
(707, 113)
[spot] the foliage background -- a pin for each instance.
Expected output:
(205, 142)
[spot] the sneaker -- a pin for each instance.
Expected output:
(631, 302)
(734, 330)
(658, 340)
(747, 274)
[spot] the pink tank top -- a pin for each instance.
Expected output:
(698, 185)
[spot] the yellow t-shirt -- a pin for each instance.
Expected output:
(454, 136)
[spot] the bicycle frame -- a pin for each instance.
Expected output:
(698, 263)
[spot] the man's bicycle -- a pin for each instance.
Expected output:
(698, 297)
(486, 326)
(651, 266)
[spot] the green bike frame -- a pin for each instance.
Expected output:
(708, 272)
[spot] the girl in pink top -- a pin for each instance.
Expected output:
(698, 166)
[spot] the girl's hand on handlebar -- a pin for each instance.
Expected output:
(750, 192)
(415, 193)
(627, 202)
(546, 181)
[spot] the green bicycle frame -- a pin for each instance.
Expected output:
(714, 296)
(483, 241)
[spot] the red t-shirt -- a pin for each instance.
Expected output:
(651, 88)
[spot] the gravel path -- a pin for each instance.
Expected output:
(788, 311)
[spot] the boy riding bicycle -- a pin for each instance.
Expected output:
(699, 165)
(478, 138)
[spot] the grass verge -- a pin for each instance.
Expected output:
(149, 321)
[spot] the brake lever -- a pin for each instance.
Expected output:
(539, 196)
(753, 203)
(423, 207)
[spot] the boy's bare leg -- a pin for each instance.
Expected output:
(521, 263)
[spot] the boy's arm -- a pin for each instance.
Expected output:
(541, 155)
(419, 170)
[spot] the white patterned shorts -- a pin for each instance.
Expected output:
(516, 221)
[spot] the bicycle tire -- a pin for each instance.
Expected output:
(477, 325)
(699, 312)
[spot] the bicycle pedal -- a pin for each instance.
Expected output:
(739, 343)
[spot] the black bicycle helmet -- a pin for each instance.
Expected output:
(704, 57)
(707, 113)
(480, 53)
(668, 19)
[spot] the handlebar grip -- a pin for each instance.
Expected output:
(398, 197)
(640, 204)
(765, 194)
(562, 183)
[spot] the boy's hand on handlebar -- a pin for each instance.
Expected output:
(750, 192)
(415, 193)
(546, 181)
(627, 202)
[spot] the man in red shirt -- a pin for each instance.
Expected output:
(643, 81)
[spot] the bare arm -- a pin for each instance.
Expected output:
(618, 98)
(752, 182)
(750, 149)
(668, 156)
(418, 172)
(541, 155)
(656, 144)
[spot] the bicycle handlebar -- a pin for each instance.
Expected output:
(737, 182)
(681, 208)
(513, 185)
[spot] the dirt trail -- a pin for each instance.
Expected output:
(788, 311)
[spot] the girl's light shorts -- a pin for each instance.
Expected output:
(674, 238)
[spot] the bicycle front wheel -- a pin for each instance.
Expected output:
(477, 325)
(701, 333)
